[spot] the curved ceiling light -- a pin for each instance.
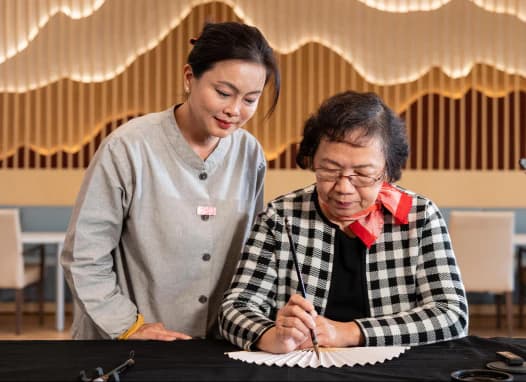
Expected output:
(406, 48)
(25, 19)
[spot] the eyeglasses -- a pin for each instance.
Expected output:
(357, 180)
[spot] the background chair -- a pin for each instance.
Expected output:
(14, 273)
(483, 245)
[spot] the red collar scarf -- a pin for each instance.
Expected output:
(370, 222)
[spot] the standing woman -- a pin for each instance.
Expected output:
(169, 198)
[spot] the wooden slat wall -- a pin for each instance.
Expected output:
(476, 122)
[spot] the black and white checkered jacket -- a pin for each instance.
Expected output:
(415, 292)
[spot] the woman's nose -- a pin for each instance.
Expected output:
(233, 108)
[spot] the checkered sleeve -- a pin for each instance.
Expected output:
(251, 298)
(437, 307)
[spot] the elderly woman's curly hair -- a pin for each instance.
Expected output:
(365, 113)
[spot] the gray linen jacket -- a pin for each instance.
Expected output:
(136, 243)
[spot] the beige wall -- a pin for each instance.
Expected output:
(446, 188)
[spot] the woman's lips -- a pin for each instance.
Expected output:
(344, 204)
(223, 124)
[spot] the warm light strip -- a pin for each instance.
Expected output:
(72, 9)
(510, 7)
(78, 9)
(402, 6)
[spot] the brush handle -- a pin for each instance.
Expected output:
(300, 279)
(295, 259)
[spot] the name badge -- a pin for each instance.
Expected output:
(206, 210)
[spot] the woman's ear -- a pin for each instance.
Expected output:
(188, 76)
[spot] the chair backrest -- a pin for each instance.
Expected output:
(11, 256)
(483, 245)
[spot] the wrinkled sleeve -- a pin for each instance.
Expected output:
(260, 184)
(441, 312)
(93, 235)
(251, 300)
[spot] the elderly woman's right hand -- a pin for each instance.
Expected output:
(292, 329)
(157, 331)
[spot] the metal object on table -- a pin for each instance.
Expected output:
(112, 375)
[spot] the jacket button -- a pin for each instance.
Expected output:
(204, 217)
(203, 176)
(202, 299)
(206, 257)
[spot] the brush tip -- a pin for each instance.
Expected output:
(316, 350)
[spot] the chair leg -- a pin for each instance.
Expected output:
(41, 285)
(498, 301)
(509, 312)
(19, 298)
(41, 302)
(520, 283)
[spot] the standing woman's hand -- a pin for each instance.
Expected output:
(157, 331)
(292, 331)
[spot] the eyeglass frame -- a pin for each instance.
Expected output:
(374, 180)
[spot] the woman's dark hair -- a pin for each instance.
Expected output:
(353, 111)
(234, 41)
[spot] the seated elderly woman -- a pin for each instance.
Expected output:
(376, 259)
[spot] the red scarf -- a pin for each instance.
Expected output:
(368, 223)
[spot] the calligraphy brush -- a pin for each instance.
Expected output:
(302, 285)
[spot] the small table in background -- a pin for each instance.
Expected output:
(55, 238)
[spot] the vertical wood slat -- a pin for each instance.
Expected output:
(48, 106)
(169, 73)
(59, 101)
(473, 105)
(516, 119)
(157, 60)
(495, 138)
(256, 123)
(288, 110)
(298, 81)
(104, 103)
(37, 120)
(115, 99)
(5, 100)
(507, 52)
(419, 126)
(65, 61)
(493, 133)
(441, 102)
(433, 145)
(47, 123)
(95, 113)
(27, 101)
(134, 75)
(77, 130)
(179, 59)
(441, 123)
(13, 126)
(272, 135)
(146, 94)
(483, 142)
(462, 126)
(125, 76)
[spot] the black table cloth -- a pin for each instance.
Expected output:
(205, 360)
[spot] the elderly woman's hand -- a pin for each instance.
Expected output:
(338, 334)
(292, 331)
